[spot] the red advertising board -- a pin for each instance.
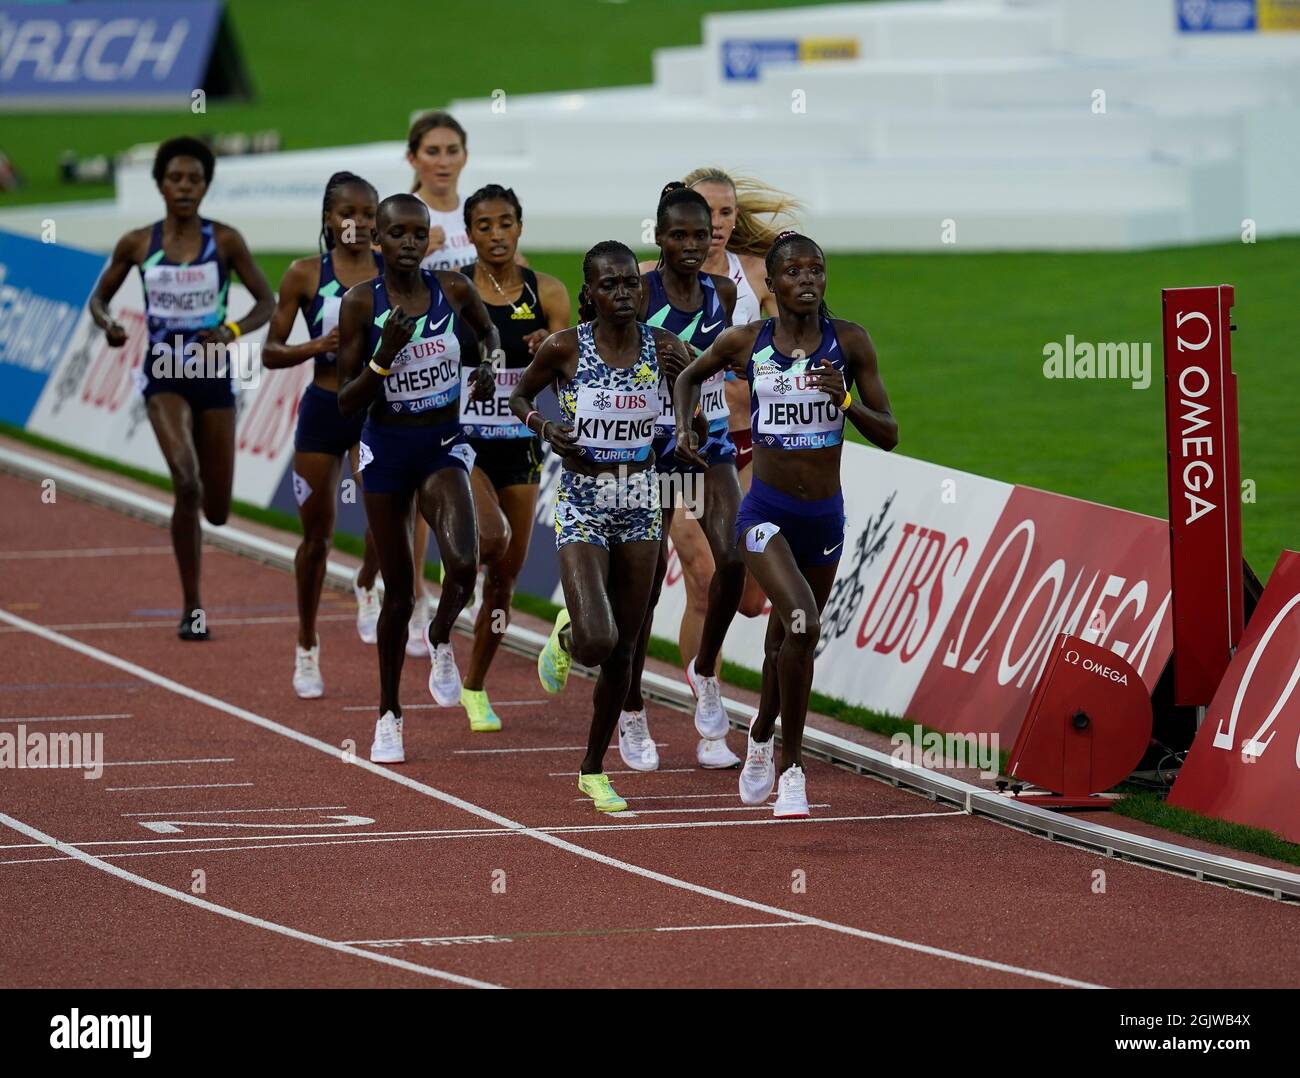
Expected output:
(1204, 488)
(1245, 762)
(1052, 564)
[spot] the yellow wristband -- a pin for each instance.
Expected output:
(848, 399)
(379, 370)
(233, 328)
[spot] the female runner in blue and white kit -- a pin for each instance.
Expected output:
(315, 286)
(807, 372)
(608, 524)
(185, 263)
(402, 339)
(526, 307)
(696, 306)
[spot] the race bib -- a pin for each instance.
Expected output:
(426, 374)
(491, 418)
(186, 297)
(615, 424)
(792, 413)
(666, 422)
(713, 398)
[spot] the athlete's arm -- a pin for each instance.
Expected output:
(359, 381)
(124, 258)
(722, 354)
(870, 410)
(295, 291)
(235, 251)
(469, 305)
(556, 358)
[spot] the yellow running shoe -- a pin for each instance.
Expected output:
(553, 663)
(597, 787)
(482, 719)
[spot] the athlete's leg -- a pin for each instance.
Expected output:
(696, 561)
(721, 502)
(447, 503)
(320, 473)
(517, 503)
(634, 700)
(172, 422)
(214, 439)
(631, 570)
(419, 553)
(389, 516)
(369, 557)
(752, 600)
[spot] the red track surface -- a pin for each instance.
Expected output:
(692, 889)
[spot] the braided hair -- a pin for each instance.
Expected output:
(783, 242)
(333, 185)
(491, 193)
(586, 307)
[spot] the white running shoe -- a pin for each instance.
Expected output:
(791, 795)
(710, 716)
(307, 682)
(369, 602)
(758, 774)
(415, 628)
(714, 754)
(444, 678)
(387, 745)
(635, 744)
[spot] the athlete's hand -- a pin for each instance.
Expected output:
(687, 448)
(328, 343)
(534, 339)
(437, 237)
(674, 356)
(485, 381)
(829, 380)
(216, 335)
(115, 334)
(562, 439)
(397, 332)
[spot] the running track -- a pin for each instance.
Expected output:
(475, 863)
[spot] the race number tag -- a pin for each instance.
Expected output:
(614, 425)
(491, 418)
(186, 297)
(757, 538)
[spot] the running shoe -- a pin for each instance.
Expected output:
(420, 618)
(387, 745)
(369, 603)
(482, 719)
(307, 682)
(758, 774)
(597, 787)
(194, 625)
(554, 662)
(635, 744)
(791, 795)
(714, 754)
(444, 678)
(710, 715)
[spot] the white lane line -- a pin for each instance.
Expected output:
(715, 808)
(527, 937)
(555, 841)
(234, 915)
(166, 623)
(660, 771)
(187, 786)
(70, 718)
(85, 552)
(718, 928)
(663, 797)
(449, 707)
(549, 748)
(223, 812)
(195, 760)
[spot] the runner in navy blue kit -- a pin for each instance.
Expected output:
(526, 307)
(608, 524)
(695, 306)
(402, 340)
(315, 286)
(185, 263)
(807, 371)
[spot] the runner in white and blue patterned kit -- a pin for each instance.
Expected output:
(808, 372)
(402, 338)
(607, 515)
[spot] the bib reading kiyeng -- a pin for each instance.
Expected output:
(491, 418)
(184, 297)
(794, 414)
(615, 425)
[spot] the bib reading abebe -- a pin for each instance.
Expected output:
(491, 418)
(787, 411)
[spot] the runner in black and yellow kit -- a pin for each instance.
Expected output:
(526, 307)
